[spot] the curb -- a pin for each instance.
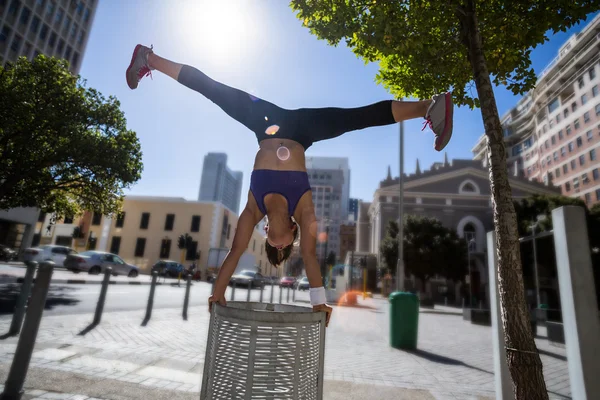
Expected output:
(84, 282)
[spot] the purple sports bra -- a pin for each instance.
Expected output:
(290, 184)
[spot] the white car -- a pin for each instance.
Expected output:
(303, 284)
(57, 254)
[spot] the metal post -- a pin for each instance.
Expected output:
(212, 288)
(232, 291)
(535, 268)
(400, 263)
(287, 299)
(13, 388)
(272, 291)
(351, 270)
(470, 278)
(280, 293)
(150, 298)
(102, 298)
(186, 299)
(249, 290)
(17, 320)
(262, 288)
(294, 294)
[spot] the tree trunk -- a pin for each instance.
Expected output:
(523, 359)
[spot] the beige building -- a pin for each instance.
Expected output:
(148, 228)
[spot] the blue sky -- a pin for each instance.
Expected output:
(259, 47)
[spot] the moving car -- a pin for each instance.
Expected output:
(287, 281)
(168, 268)
(7, 254)
(303, 284)
(248, 279)
(50, 252)
(95, 262)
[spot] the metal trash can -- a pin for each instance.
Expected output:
(264, 351)
(404, 320)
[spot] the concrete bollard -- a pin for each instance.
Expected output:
(272, 289)
(232, 291)
(262, 288)
(13, 388)
(249, 290)
(102, 298)
(21, 306)
(150, 299)
(186, 300)
(280, 294)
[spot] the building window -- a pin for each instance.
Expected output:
(145, 220)
(546, 144)
(576, 124)
(553, 139)
(598, 109)
(35, 24)
(568, 128)
(557, 172)
(86, 15)
(571, 147)
(140, 246)
(573, 165)
(557, 118)
(588, 198)
(115, 244)
(58, 16)
(580, 82)
(60, 47)
(586, 117)
(528, 171)
(52, 40)
(592, 73)
(195, 224)
(567, 186)
(584, 99)
(593, 155)
(598, 194)
(595, 91)
(165, 248)
(96, 218)
(589, 135)
(560, 135)
(566, 112)
(68, 220)
(555, 156)
(581, 160)
(565, 168)
(169, 222)
(16, 43)
(120, 220)
(579, 141)
(25, 14)
(576, 183)
(190, 254)
(596, 174)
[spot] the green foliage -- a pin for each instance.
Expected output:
(421, 46)
(429, 249)
(389, 247)
(63, 147)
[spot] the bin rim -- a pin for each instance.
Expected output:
(268, 312)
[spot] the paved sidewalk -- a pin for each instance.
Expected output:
(120, 359)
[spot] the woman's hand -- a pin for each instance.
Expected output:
(216, 298)
(324, 308)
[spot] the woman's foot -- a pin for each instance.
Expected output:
(139, 67)
(439, 118)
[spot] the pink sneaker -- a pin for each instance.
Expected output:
(439, 118)
(138, 68)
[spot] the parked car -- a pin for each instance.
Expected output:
(50, 252)
(287, 281)
(275, 280)
(248, 279)
(168, 268)
(7, 254)
(303, 284)
(95, 262)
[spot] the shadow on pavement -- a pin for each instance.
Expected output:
(553, 355)
(443, 360)
(57, 296)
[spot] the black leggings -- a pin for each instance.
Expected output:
(304, 125)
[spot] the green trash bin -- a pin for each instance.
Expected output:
(404, 320)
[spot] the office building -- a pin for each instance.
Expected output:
(59, 28)
(552, 135)
(329, 179)
(352, 211)
(219, 183)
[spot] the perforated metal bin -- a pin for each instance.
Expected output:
(264, 351)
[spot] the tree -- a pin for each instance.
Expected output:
(426, 47)
(64, 147)
(389, 246)
(529, 208)
(184, 243)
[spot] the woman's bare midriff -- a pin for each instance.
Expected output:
(267, 157)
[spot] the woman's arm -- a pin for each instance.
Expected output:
(308, 249)
(243, 233)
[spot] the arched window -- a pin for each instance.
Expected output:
(470, 235)
(468, 187)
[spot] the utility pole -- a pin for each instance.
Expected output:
(400, 264)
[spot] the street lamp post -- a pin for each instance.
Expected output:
(533, 227)
(400, 263)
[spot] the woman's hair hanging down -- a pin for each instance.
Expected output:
(277, 257)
